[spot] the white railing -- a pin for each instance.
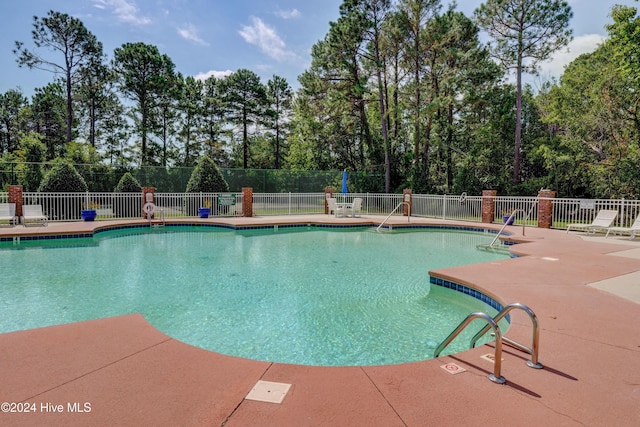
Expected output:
(527, 207)
(567, 211)
(458, 207)
(68, 206)
(288, 203)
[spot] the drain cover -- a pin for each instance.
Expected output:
(267, 391)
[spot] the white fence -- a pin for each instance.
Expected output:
(68, 206)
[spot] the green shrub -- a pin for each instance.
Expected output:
(128, 206)
(128, 184)
(206, 178)
(62, 178)
(32, 152)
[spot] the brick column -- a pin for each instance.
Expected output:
(545, 208)
(488, 205)
(151, 198)
(328, 194)
(407, 196)
(15, 196)
(247, 202)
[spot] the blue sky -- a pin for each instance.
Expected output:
(205, 37)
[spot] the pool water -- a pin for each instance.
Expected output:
(314, 296)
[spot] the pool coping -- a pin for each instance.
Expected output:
(132, 373)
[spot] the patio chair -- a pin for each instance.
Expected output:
(333, 207)
(8, 213)
(33, 214)
(635, 228)
(356, 206)
(602, 221)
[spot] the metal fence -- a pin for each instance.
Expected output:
(68, 206)
(101, 178)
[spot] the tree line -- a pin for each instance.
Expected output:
(405, 88)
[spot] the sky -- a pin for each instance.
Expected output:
(217, 37)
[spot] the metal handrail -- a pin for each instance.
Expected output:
(393, 211)
(533, 351)
(515, 211)
(497, 365)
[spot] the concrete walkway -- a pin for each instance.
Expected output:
(584, 290)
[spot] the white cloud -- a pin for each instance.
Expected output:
(578, 46)
(267, 39)
(125, 10)
(214, 73)
(191, 33)
(288, 14)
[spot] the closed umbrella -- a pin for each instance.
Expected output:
(345, 190)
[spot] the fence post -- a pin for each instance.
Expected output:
(247, 201)
(15, 196)
(444, 206)
(488, 205)
(545, 208)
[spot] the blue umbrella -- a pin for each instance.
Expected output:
(345, 190)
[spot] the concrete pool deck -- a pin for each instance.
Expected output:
(585, 291)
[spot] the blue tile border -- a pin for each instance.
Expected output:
(468, 291)
(244, 227)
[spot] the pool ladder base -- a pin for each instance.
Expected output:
(492, 323)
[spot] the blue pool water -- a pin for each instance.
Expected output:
(314, 296)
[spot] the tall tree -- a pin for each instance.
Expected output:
(48, 118)
(191, 105)
(625, 41)
(166, 113)
(279, 96)
(11, 102)
(368, 17)
(246, 98)
(143, 75)
(213, 119)
(96, 96)
(66, 35)
(414, 15)
(525, 32)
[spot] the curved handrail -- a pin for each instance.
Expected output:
(515, 211)
(497, 365)
(533, 351)
(395, 209)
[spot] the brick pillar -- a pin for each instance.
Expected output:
(488, 205)
(545, 208)
(407, 196)
(15, 196)
(328, 194)
(247, 202)
(150, 198)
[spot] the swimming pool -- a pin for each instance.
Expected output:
(304, 295)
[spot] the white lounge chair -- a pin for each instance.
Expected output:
(633, 230)
(333, 207)
(8, 213)
(33, 214)
(602, 221)
(356, 206)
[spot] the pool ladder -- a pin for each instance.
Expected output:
(492, 323)
(157, 224)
